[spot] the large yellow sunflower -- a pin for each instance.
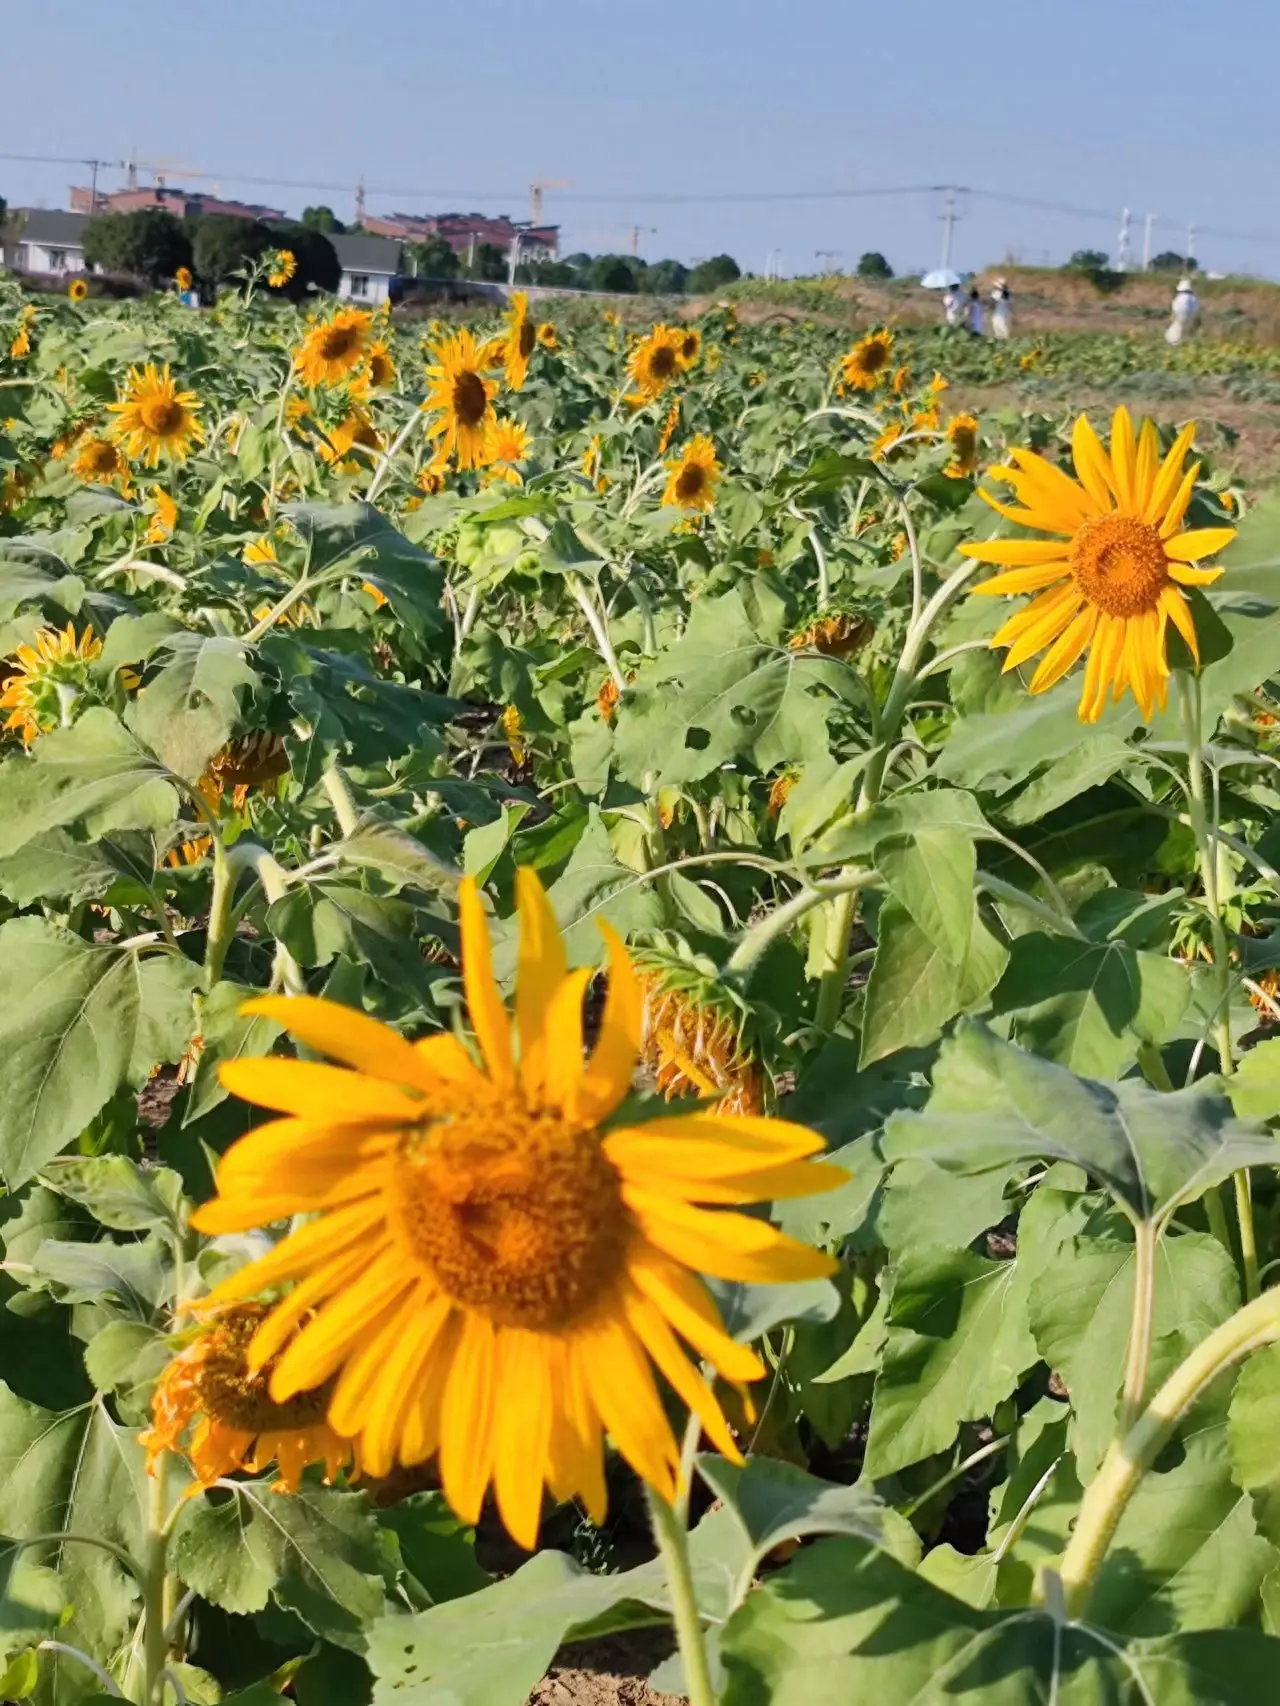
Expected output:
(335, 347)
(240, 1426)
(867, 363)
(691, 483)
(155, 418)
(521, 341)
(462, 396)
(1114, 568)
(45, 678)
(655, 361)
(486, 1268)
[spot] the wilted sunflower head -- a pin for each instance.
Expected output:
(46, 679)
(154, 418)
(839, 634)
(694, 1033)
(962, 436)
(335, 347)
(867, 362)
(238, 1425)
(691, 485)
(99, 460)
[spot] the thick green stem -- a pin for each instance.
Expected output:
(1138, 1354)
(221, 922)
(835, 961)
(1207, 849)
(673, 1544)
(1128, 1460)
(154, 1644)
(340, 797)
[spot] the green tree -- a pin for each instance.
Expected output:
(1168, 261)
(713, 274)
(489, 263)
(615, 273)
(1088, 260)
(873, 265)
(433, 258)
(4, 210)
(223, 244)
(151, 244)
(666, 278)
(322, 219)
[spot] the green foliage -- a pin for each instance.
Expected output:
(872, 264)
(223, 245)
(433, 257)
(713, 274)
(151, 243)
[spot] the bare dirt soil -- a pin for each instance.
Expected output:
(610, 1672)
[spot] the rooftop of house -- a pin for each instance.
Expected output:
(357, 251)
(48, 226)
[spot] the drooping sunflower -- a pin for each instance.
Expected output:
(488, 1269)
(691, 484)
(669, 427)
(164, 517)
(21, 344)
(239, 1425)
(99, 461)
(655, 362)
(547, 338)
(46, 678)
(283, 266)
(334, 347)
(183, 279)
(520, 343)
(462, 396)
(155, 419)
(885, 440)
(354, 430)
(900, 381)
(78, 289)
(962, 436)
(867, 363)
(1110, 578)
(381, 367)
(692, 1037)
(690, 346)
(842, 634)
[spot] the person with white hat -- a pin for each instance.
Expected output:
(1001, 310)
(1185, 309)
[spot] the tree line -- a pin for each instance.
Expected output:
(152, 244)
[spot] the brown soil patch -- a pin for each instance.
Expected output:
(609, 1672)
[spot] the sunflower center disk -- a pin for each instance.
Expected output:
(516, 1215)
(528, 337)
(162, 415)
(1119, 564)
(689, 482)
(470, 399)
(662, 364)
(238, 1399)
(339, 342)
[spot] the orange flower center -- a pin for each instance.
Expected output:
(517, 1215)
(874, 357)
(470, 399)
(528, 338)
(217, 1375)
(1119, 564)
(662, 362)
(164, 416)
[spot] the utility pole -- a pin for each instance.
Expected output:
(513, 258)
(1122, 243)
(1146, 242)
(635, 236)
(360, 199)
(1191, 244)
(949, 217)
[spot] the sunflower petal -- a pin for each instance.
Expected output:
(623, 1392)
(1144, 474)
(489, 1019)
(1015, 581)
(467, 1418)
(1180, 502)
(316, 1092)
(1065, 651)
(660, 1342)
(719, 1242)
(1200, 542)
(691, 1310)
(347, 1035)
(1124, 456)
(540, 970)
(1169, 478)
(522, 1432)
(1015, 553)
(1185, 575)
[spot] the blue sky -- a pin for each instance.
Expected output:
(1169, 107)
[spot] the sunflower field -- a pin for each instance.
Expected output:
(639, 982)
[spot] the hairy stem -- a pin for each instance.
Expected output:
(673, 1544)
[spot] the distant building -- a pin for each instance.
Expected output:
(45, 241)
(463, 231)
(183, 204)
(369, 264)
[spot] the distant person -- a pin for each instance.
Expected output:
(975, 319)
(1001, 311)
(1185, 309)
(953, 305)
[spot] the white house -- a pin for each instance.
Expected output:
(369, 264)
(45, 240)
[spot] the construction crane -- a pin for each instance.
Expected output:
(161, 170)
(821, 255)
(649, 230)
(536, 189)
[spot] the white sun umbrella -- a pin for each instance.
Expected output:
(941, 278)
